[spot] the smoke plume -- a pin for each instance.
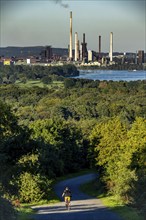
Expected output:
(61, 3)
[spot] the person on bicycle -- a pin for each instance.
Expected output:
(67, 196)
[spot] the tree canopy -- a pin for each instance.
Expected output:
(48, 132)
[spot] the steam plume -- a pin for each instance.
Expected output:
(61, 3)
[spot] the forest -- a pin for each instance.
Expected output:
(50, 131)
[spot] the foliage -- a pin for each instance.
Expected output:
(32, 188)
(9, 130)
(46, 79)
(29, 162)
(121, 154)
(66, 141)
(8, 123)
(114, 155)
(95, 188)
(48, 132)
(9, 74)
(137, 141)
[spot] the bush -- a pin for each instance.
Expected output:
(69, 83)
(47, 80)
(29, 187)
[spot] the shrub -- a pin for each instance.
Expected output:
(46, 80)
(29, 187)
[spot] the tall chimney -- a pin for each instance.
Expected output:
(78, 55)
(70, 50)
(84, 48)
(99, 45)
(111, 47)
(76, 47)
(81, 51)
(83, 38)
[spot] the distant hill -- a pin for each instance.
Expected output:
(25, 52)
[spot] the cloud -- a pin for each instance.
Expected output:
(61, 3)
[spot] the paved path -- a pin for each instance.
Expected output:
(83, 207)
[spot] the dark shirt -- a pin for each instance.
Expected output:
(67, 193)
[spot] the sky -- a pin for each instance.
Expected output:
(46, 22)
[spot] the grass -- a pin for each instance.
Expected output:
(38, 83)
(126, 212)
(24, 213)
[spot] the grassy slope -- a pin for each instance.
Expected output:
(30, 83)
(127, 213)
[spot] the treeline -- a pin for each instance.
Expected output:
(46, 133)
(120, 153)
(9, 74)
(79, 99)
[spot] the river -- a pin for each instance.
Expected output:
(114, 75)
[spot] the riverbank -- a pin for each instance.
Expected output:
(113, 75)
(113, 67)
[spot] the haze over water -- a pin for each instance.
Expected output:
(114, 75)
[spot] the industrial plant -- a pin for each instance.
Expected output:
(83, 56)
(77, 54)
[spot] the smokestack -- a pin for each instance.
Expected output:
(70, 50)
(81, 51)
(84, 48)
(84, 38)
(76, 47)
(99, 45)
(78, 50)
(111, 47)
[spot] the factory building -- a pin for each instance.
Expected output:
(46, 54)
(90, 55)
(6, 61)
(140, 56)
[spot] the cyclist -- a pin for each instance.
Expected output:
(67, 196)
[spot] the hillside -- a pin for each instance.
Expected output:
(24, 52)
(50, 131)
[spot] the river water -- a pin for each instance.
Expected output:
(114, 75)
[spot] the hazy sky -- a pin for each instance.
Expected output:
(46, 22)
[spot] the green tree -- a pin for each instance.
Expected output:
(66, 140)
(47, 80)
(69, 83)
(1, 80)
(137, 142)
(14, 143)
(114, 155)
